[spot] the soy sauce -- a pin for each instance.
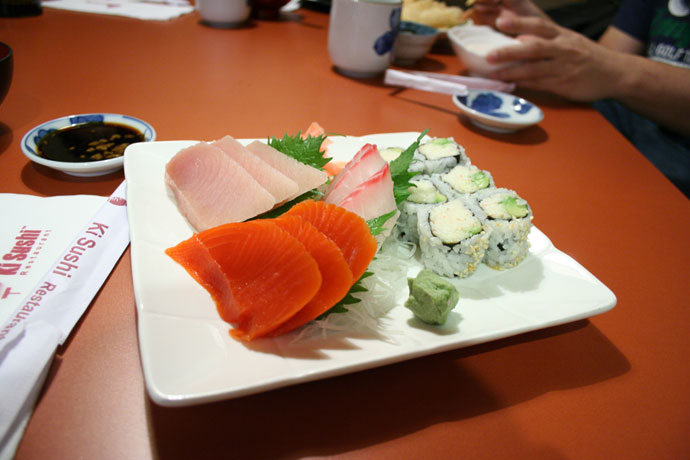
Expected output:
(92, 141)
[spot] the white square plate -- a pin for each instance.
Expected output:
(188, 356)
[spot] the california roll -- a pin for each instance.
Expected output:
(463, 179)
(423, 194)
(452, 238)
(509, 218)
(438, 155)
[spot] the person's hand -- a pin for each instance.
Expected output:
(488, 11)
(555, 59)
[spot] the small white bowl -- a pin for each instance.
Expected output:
(472, 43)
(413, 42)
(497, 111)
(87, 168)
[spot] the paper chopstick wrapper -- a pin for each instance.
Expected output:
(443, 83)
(155, 10)
(44, 313)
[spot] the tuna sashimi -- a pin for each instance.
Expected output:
(269, 275)
(335, 271)
(346, 229)
(212, 189)
(364, 164)
(307, 177)
(277, 183)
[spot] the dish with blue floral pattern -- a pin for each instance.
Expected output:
(107, 156)
(497, 111)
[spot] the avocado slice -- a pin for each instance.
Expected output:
(515, 206)
(480, 180)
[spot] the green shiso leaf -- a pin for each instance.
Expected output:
(308, 150)
(349, 299)
(376, 224)
(400, 171)
(285, 207)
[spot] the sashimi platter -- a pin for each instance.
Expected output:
(262, 263)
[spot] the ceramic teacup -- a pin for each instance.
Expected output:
(361, 35)
(223, 13)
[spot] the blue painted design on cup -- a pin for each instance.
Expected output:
(384, 44)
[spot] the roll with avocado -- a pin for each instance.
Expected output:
(510, 219)
(423, 194)
(463, 180)
(452, 238)
(438, 155)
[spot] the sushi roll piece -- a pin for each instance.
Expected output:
(423, 194)
(510, 219)
(463, 179)
(391, 153)
(438, 155)
(452, 238)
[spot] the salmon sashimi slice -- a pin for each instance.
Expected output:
(193, 256)
(346, 229)
(315, 130)
(336, 276)
(211, 189)
(270, 274)
(277, 183)
(307, 177)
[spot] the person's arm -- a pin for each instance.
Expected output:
(566, 63)
(617, 40)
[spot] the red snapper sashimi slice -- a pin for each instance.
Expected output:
(277, 183)
(335, 272)
(270, 274)
(346, 229)
(212, 189)
(374, 198)
(307, 177)
(365, 163)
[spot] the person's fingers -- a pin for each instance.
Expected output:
(511, 24)
(526, 72)
(529, 49)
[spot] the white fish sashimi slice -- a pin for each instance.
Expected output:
(277, 183)
(374, 198)
(211, 189)
(365, 163)
(307, 177)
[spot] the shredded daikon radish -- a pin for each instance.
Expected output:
(386, 288)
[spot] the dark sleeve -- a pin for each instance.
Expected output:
(634, 18)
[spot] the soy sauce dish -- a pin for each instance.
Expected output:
(85, 145)
(497, 111)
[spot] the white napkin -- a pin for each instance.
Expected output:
(157, 10)
(55, 254)
(443, 83)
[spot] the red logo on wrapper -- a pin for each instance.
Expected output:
(117, 201)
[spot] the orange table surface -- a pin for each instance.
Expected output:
(612, 387)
